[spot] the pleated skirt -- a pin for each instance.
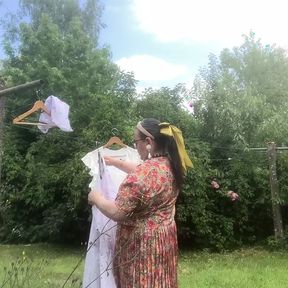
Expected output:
(146, 257)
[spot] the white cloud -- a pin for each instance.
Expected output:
(151, 69)
(221, 21)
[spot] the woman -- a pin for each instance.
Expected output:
(146, 241)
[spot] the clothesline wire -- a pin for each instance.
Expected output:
(100, 143)
(225, 148)
(71, 136)
(114, 130)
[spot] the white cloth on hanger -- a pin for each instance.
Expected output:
(125, 153)
(99, 258)
(59, 115)
(100, 252)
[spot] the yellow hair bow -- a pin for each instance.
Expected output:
(170, 130)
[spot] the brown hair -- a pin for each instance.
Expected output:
(167, 145)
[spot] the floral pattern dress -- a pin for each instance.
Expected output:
(146, 242)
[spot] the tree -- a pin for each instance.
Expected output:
(243, 96)
(45, 184)
(242, 102)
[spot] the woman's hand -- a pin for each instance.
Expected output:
(111, 161)
(107, 207)
(126, 166)
(94, 197)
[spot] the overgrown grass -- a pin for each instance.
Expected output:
(49, 266)
(253, 268)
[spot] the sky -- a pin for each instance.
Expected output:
(165, 42)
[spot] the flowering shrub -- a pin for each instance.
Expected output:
(232, 195)
(215, 185)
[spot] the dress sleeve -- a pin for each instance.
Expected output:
(91, 162)
(130, 197)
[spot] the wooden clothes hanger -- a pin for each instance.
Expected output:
(37, 106)
(114, 140)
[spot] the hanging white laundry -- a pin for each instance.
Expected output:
(59, 115)
(98, 262)
(91, 161)
(99, 258)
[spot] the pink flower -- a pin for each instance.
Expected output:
(233, 195)
(214, 185)
(188, 106)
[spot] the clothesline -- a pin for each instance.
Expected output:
(100, 143)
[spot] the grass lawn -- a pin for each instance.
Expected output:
(46, 265)
(253, 268)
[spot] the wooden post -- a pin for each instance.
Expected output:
(276, 209)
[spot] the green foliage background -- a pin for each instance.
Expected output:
(239, 99)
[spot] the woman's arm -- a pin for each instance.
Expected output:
(126, 166)
(107, 207)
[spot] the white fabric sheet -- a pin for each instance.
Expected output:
(98, 263)
(99, 255)
(59, 115)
